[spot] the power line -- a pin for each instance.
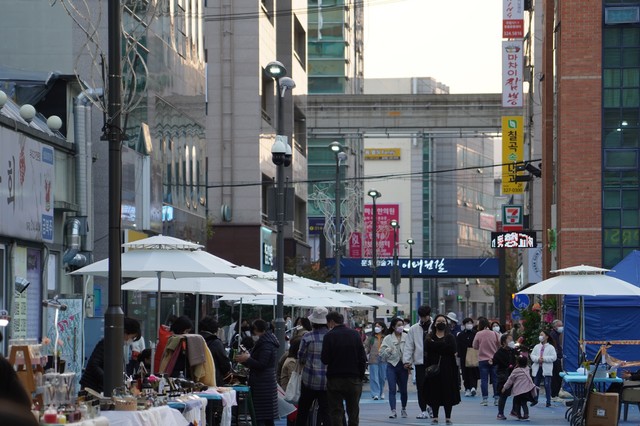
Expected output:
(368, 178)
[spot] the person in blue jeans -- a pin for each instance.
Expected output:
(377, 367)
(543, 356)
(391, 350)
(487, 343)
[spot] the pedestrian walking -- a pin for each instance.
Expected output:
(441, 388)
(343, 354)
(414, 355)
(377, 367)
(543, 356)
(487, 343)
(504, 361)
(464, 341)
(397, 376)
(314, 372)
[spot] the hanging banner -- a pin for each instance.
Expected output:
(512, 153)
(512, 66)
(513, 19)
(384, 241)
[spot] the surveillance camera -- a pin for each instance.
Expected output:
(21, 284)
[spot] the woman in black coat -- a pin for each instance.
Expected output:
(442, 389)
(262, 373)
(505, 361)
(208, 328)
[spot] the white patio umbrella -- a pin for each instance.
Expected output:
(164, 257)
(582, 280)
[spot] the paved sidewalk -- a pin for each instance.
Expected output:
(468, 412)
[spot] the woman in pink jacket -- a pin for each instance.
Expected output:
(487, 343)
(521, 385)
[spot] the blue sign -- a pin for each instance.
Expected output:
(521, 301)
(420, 268)
(515, 315)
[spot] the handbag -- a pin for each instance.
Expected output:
(471, 358)
(433, 370)
(292, 393)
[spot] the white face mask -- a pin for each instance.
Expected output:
(469, 327)
(512, 344)
(399, 329)
(541, 338)
(496, 329)
(560, 329)
(377, 329)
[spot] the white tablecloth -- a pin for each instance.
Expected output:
(164, 416)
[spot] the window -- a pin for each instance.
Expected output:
(300, 43)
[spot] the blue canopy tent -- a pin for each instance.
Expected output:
(606, 318)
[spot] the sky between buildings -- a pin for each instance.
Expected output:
(457, 42)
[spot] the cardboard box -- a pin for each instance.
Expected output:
(602, 409)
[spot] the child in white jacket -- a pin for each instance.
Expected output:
(542, 358)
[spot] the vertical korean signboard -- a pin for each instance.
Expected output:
(512, 18)
(384, 241)
(512, 66)
(512, 153)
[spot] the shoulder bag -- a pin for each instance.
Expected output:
(433, 370)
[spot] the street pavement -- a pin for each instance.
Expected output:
(468, 412)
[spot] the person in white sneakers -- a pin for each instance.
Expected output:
(413, 356)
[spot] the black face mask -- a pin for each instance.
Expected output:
(441, 326)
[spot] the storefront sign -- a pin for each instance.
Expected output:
(512, 18)
(512, 66)
(512, 153)
(421, 267)
(26, 187)
(382, 154)
(513, 239)
(384, 241)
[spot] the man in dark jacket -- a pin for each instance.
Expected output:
(93, 375)
(343, 353)
(556, 380)
(208, 330)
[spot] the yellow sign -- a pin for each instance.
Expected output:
(382, 153)
(512, 153)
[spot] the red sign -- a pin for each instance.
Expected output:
(355, 245)
(384, 241)
(513, 19)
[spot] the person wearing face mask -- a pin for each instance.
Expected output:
(495, 326)
(556, 380)
(504, 360)
(464, 340)
(441, 390)
(413, 355)
(543, 356)
(487, 343)
(377, 367)
(93, 375)
(391, 350)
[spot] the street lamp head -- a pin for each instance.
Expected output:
(335, 146)
(279, 151)
(410, 241)
(374, 194)
(275, 70)
(342, 157)
(394, 223)
(287, 83)
(288, 155)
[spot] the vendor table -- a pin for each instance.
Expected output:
(192, 407)
(165, 416)
(219, 406)
(577, 382)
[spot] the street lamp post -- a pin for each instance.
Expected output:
(395, 272)
(280, 156)
(374, 240)
(341, 156)
(411, 242)
(467, 295)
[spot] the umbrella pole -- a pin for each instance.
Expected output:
(582, 350)
(158, 304)
(197, 311)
